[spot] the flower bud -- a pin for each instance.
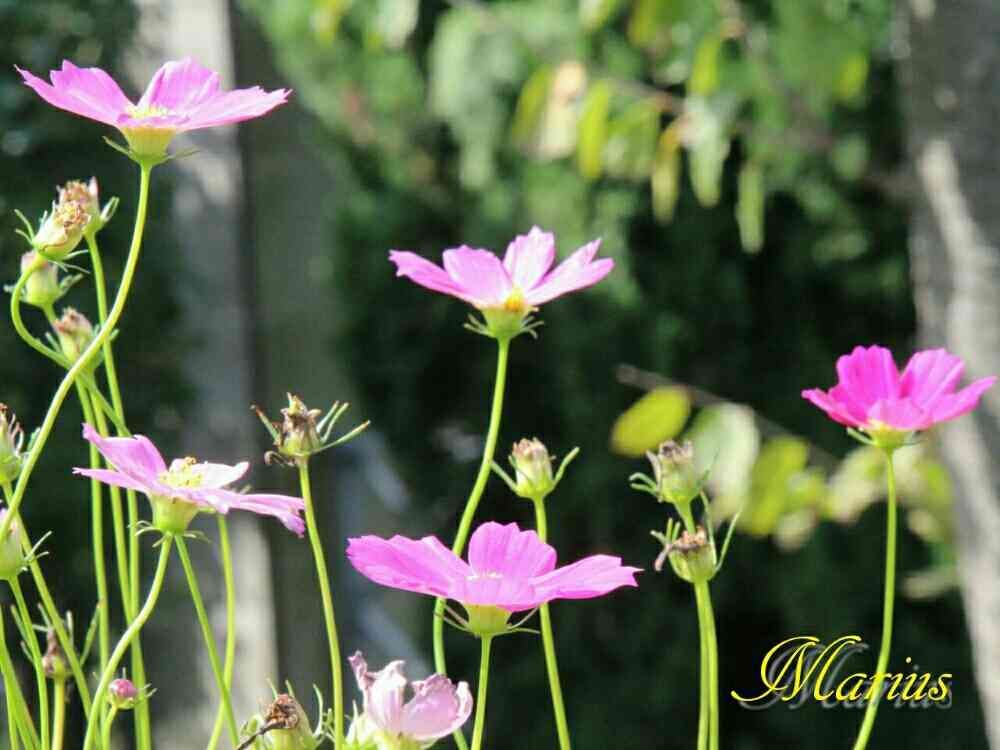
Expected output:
(12, 559)
(11, 442)
(54, 661)
(692, 556)
(122, 694)
(533, 468)
(74, 332)
(42, 289)
(62, 230)
(88, 196)
(676, 476)
(288, 726)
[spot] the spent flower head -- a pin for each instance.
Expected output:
(75, 332)
(507, 292)
(676, 478)
(872, 396)
(88, 195)
(185, 488)
(182, 96)
(60, 230)
(691, 555)
(54, 661)
(304, 432)
(12, 557)
(403, 715)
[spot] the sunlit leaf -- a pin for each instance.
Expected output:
(849, 156)
(852, 77)
(595, 13)
(705, 69)
(649, 23)
(707, 138)
(771, 493)
(593, 134)
(394, 21)
(658, 416)
(531, 106)
(666, 175)
(631, 144)
(750, 206)
(726, 441)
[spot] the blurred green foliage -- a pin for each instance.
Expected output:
(41, 148)
(739, 160)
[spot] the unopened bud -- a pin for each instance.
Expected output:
(122, 693)
(676, 475)
(42, 289)
(12, 558)
(11, 443)
(533, 468)
(74, 332)
(62, 230)
(692, 556)
(54, 661)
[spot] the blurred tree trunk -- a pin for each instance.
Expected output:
(953, 95)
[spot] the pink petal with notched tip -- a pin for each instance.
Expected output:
(591, 577)
(505, 549)
(529, 256)
(426, 274)
(480, 275)
(88, 92)
(135, 456)
(576, 272)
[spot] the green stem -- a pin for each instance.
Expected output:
(328, 614)
(206, 630)
(703, 720)
(712, 652)
(106, 731)
(18, 716)
(36, 660)
(58, 713)
(83, 363)
(549, 646)
(227, 669)
(97, 534)
(875, 692)
(465, 525)
(127, 637)
(484, 676)
(708, 704)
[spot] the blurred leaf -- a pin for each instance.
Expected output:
(531, 106)
(394, 21)
(705, 71)
(857, 483)
(853, 74)
(849, 157)
(771, 491)
(658, 416)
(649, 24)
(593, 133)
(707, 139)
(750, 206)
(631, 144)
(931, 582)
(595, 13)
(666, 176)
(726, 440)
(326, 17)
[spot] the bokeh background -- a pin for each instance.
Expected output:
(777, 180)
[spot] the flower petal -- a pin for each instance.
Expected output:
(590, 577)
(930, 374)
(117, 479)
(955, 405)
(421, 271)
(88, 92)
(836, 409)
(179, 86)
(425, 566)
(576, 272)
(480, 275)
(505, 549)
(529, 256)
(437, 708)
(235, 106)
(135, 456)
(283, 507)
(869, 374)
(384, 697)
(219, 475)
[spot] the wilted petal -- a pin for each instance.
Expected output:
(437, 708)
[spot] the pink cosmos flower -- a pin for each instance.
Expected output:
(873, 396)
(438, 707)
(507, 568)
(186, 487)
(182, 96)
(518, 284)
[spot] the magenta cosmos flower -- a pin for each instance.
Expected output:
(391, 722)
(182, 96)
(509, 569)
(185, 488)
(874, 397)
(521, 282)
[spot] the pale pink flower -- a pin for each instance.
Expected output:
(507, 568)
(181, 96)
(873, 396)
(437, 707)
(186, 483)
(520, 282)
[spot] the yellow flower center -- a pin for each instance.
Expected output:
(145, 113)
(182, 474)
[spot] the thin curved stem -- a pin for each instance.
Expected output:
(328, 614)
(97, 539)
(206, 631)
(18, 717)
(58, 713)
(106, 731)
(484, 677)
(230, 657)
(36, 660)
(88, 355)
(465, 525)
(130, 633)
(549, 646)
(875, 691)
